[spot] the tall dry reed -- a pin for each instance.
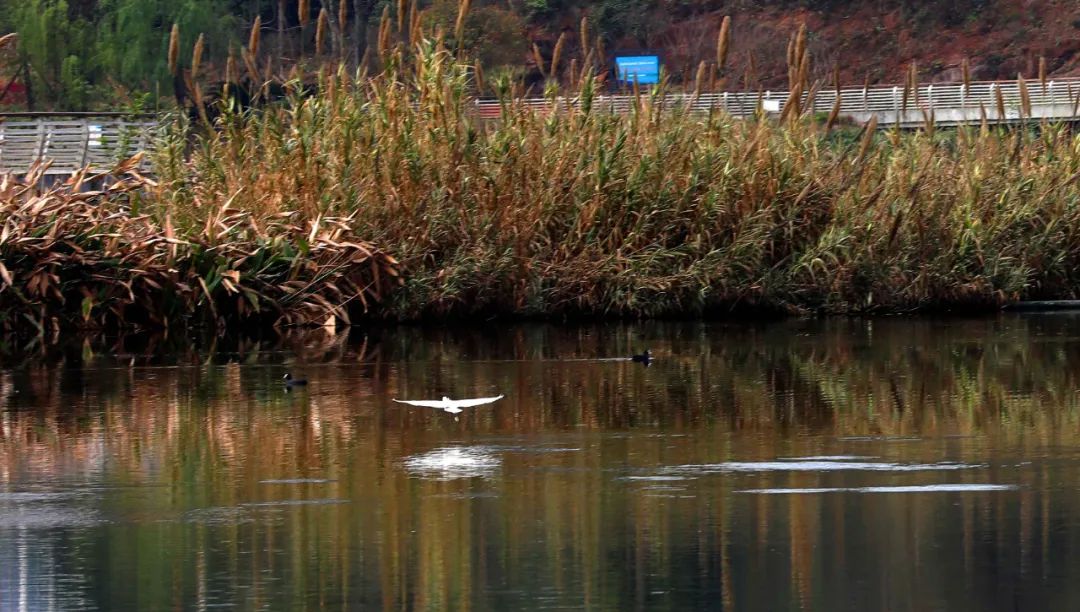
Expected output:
(655, 212)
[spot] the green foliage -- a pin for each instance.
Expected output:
(50, 44)
(74, 86)
(78, 54)
(633, 19)
(493, 34)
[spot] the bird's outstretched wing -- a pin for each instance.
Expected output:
(469, 403)
(424, 403)
(449, 405)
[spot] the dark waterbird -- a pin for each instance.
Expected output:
(645, 357)
(291, 382)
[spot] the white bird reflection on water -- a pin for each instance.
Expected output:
(454, 462)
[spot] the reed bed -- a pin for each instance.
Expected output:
(654, 213)
(386, 196)
(115, 257)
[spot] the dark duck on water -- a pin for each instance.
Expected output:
(645, 357)
(291, 382)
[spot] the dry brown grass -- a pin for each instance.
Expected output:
(111, 258)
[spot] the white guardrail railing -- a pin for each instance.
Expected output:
(70, 141)
(947, 103)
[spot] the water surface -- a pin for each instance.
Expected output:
(885, 464)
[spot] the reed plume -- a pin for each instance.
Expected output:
(722, 42)
(196, 56)
(174, 49)
(321, 27)
(255, 36)
(699, 79)
(384, 34)
(303, 9)
(1000, 100)
(556, 54)
(459, 25)
(1025, 97)
(539, 59)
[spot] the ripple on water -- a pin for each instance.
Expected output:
(288, 481)
(815, 466)
(228, 515)
(46, 510)
(829, 458)
(48, 517)
(454, 462)
(296, 502)
(935, 488)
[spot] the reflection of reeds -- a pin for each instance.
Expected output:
(207, 434)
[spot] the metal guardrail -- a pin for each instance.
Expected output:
(71, 141)
(946, 103)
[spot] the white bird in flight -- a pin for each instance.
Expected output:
(449, 405)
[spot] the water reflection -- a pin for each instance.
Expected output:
(839, 465)
(453, 462)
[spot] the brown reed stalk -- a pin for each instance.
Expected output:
(913, 78)
(539, 59)
(402, 12)
(322, 25)
(723, 40)
(230, 68)
(556, 54)
(1000, 99)
(459, 25)
(303, 13)
(415, 33)
(834, 114)
(699, 79)
(867, 138)
(200, 106)
(1042, 71)
(1025, 97)
(384, 34)
(791, 62)
(255, 35)
(800, 44)
(174, 49)
(342, 17)
(573, 76)
(196, 56)
(303, 10)
(583, 34)
(965, 68)
(478, 76)
(252, 69)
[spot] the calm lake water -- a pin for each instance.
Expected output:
(884, 464)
